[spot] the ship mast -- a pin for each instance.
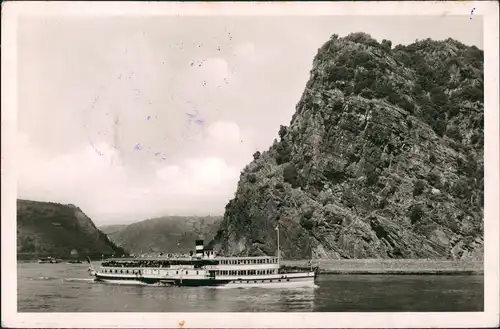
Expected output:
(278, 234)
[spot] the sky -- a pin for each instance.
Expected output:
(131, 118)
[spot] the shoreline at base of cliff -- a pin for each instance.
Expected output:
(389, 267)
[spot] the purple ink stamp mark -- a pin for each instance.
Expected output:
(138, 147)
(149, 117)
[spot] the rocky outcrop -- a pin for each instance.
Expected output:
(63, 231)
(171, 234)
(382, 159)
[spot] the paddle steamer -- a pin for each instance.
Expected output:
(204, 268)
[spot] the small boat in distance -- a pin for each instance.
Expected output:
(202, 269)
(74, 261)
(49, 260)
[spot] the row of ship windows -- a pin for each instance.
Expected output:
(248, 261)
(134, 272)
(120, 271)
(239, 272)
(255, 281)
(245, 272)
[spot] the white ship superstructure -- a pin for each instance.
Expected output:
(203, 269)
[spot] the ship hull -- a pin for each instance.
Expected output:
(287, 280)
(161, 282)
(304, 280)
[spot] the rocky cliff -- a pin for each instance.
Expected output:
(169, 234)
(52, 229)
(383, 158)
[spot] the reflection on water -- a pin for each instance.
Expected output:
(68, 288)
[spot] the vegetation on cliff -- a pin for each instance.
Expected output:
(382, 159)
(171, 234)
(63, 231)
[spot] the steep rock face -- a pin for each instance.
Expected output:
(382, 159)
(52, 229)
(169, 234)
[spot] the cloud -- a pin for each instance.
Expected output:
(200, 177)
(224, 132)
(61, 176)
(214, 70)
(245, 51)
(97, 180)
(204, 74)
(225, 140)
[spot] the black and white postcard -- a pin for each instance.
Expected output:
(253, 164)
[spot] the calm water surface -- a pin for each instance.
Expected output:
(68, 288)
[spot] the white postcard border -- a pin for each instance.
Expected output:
(489, 318)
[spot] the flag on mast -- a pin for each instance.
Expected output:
(277, 227)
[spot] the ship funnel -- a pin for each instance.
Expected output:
(199, 248)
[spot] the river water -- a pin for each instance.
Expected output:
(68, 288)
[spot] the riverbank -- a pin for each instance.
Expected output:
(389, 266)
(382, 266)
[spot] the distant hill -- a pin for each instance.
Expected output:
(53, 229)
(171, 234)
(111, 229)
